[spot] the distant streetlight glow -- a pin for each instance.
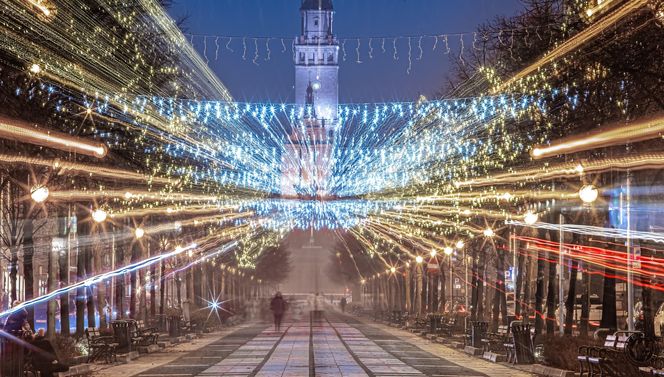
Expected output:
(448, 250)
(433, 253)
(419, 259)
(488, 232)
(139, 233)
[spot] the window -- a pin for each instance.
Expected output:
(316, 21)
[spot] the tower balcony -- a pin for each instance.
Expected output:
(329, 40)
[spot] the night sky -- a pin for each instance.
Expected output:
(377, 80)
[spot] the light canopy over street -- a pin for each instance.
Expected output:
(158, 188)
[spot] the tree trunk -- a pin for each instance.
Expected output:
(13, 274)
(407, 305)
(63, 266)
(502, 294)
(83, 232)
(527, 289)
(570, 303)
(519, 272)
(419, 308)
(90, 272)
(28, 267)
(474, 285)
(609, 315)
(51, 283)
(551, 294)
(585, 304)
(480, 284)
(119, 283)
(539, 296)
(98, 250)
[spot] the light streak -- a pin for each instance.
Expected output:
(589, 230)
(97, 279)
(66, 166)
(643, 161)
(576, 41)
(615, 134)
(20, 131)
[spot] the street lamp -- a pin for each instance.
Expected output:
(419, 259)
(531, 218)
(433, 253)
(39, 193)
(99, 215)
(393, 269)
(588, 193)
(139, 233)
(448, 251)
(488, 232)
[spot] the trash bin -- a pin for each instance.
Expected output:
(174, 326)
(122, 334)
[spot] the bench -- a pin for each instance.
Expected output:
(101, 346)
(611, 359)
(447, 327)
(496, 341)
(148, 335)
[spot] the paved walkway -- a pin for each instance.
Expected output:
(334, 346)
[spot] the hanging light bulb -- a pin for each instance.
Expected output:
(99, 215)
(588, 193)
(531, 218)
(39, 193)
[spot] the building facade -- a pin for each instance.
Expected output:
(306, 159)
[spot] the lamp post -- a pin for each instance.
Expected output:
(449, 251)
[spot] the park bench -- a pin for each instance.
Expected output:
(101, 346)
(449, 325)
(609, 360)
(520, 349)
(148, 335)
(495, 341)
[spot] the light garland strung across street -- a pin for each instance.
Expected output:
(358, 49)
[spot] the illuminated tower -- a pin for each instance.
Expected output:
(317, 59)
(306, 159)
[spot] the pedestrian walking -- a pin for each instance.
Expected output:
(343, 303)
(278, 307)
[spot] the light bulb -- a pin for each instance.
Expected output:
(488, 232)
(588, 193)
(139, 233)
(39, 193)
(460, 244)
(448, 250)
(419, 259)
(99, 215)
(531, 218)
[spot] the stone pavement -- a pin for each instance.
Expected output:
(335, 346)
